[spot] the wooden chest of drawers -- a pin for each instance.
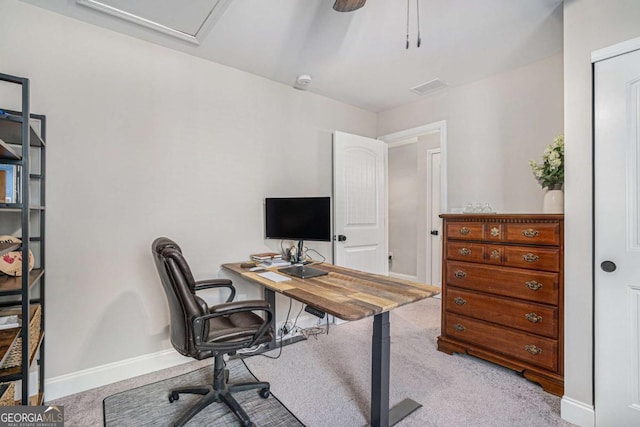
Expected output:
(502, 292)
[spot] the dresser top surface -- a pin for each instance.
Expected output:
(501, 217)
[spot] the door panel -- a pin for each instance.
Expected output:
(617, 293)
(365, 257)
(360, 202)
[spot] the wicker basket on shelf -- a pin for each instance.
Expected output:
(14, 358)
(7, 394)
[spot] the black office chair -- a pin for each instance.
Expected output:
(200, 331)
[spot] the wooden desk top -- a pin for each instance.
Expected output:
(345, 293)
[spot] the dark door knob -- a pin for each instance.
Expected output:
(342, 238)
(434, 232)
(608, 266)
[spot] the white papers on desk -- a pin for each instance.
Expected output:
(275, 263)
(274, 277)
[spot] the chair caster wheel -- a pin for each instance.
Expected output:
(264, 393)
(173, 396)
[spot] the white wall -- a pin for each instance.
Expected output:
(408, 232)
(144, 141)
(494, 126)
(403, 208)
(589, 25)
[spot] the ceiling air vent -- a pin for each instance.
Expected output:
(428, 87)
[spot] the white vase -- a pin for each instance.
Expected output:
(553, 202)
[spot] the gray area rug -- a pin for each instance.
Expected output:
(149, 405)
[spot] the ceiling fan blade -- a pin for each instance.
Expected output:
(348, 5)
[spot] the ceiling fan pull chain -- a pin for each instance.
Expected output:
(407, 45)
(418, 16)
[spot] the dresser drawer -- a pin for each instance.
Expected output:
(531, 285)
(530, 348)
(533, 258)
(529, 317)
(465, 251)
(533, 233)
(465, 230)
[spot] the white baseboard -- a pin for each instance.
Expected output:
(79, 381)
(577, 412)
(76, 382)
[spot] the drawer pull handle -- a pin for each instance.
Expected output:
(464, 231)
(464, 251)
(533, 349)
(530, 257)
(495, 232)
(460, 274)
(533, 285)
(459, 301)
(530, 232)
(533, 318)
(495, 254)
(458, 327)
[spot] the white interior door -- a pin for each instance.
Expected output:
(359, 201)
(617, 240)
(434, 223)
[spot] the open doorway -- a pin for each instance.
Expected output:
(416, 196)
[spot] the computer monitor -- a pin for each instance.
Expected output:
(298, 218)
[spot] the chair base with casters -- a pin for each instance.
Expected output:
(220, 391)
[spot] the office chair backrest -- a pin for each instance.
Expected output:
(179, 286)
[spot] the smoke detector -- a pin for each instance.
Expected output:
(302, 82)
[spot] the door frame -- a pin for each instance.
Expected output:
(414, 133)
(430, 226)
(439, 126)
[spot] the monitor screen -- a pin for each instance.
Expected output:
(298, 218)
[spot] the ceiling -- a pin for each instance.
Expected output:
(358, 57)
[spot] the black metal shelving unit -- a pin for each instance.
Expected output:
(25, 148)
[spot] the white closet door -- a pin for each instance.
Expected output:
(617, 240)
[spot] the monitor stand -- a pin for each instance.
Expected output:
(297, 258)
(299, 269)
(302, 271)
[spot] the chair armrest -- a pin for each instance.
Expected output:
(228, 309)
(216, 283)
(238, 306)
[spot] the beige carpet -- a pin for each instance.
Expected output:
(325, 381)
(85, 409)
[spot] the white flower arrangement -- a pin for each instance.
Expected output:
(550, 174)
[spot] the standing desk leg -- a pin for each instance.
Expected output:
(380, 351)
(270, 297)
(381, 416)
